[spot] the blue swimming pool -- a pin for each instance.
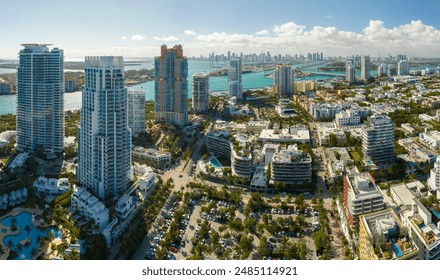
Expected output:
(397, 250)
(27, 235)
(215, 163)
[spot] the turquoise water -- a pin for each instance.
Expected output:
(23, 220)
(72, 101)
(397, 250)
(214, 162)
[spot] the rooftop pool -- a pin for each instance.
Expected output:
(25, 239)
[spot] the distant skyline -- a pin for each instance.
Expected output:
(138, 28)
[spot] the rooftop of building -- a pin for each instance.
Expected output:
(385, 225)
(362, 183)
(291, 155)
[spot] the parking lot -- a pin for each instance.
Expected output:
(203, 226)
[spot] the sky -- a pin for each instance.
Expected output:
(137, 28)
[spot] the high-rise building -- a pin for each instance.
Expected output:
(40, 99)
(350, 72)
(361, 196)
(365, 67)
(136, 111)
(283, 81)
(382, 70)
(104, 137)
(378, 139)
(234, 78)
(403, 68)
(171, 86)
(200, 92)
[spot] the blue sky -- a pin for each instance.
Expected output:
(138, 28)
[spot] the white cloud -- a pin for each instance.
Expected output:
(124, 38)
(329, 16)
(262, 32)
(165, 38)
(190, 33)
(138, 37)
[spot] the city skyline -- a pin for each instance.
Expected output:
(378, 28)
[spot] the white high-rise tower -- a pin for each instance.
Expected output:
(40, 99)
(104, 137)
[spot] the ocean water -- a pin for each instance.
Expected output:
(72, 101)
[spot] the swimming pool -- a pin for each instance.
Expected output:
(397, 250)
(214, 162)
(27, 235)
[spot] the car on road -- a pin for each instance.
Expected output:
(180, 175)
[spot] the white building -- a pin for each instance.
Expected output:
(326, 110)
(282, 81)
(431, 138)
(89, 206)
(13, 198)
(125, 205)
(136, 111)
(291, 166)
(403, 68)
(147, 180)
(361, 196)
(326, 129)
(350, 72)
(104, 155)
(293, 134)
(347, 118)
(40, 99)
(235, 83)
(51, 186)
(152, 157)
(378, 139)
(365, 67)
(382, 70)
(241, 156)
(434, 176)
(200, 92)
(218, 143)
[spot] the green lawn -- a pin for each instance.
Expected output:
(4, 160)
(355, 155)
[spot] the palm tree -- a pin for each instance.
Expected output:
(19, 248)
(10, 244)
(34, 252)
(28, 229)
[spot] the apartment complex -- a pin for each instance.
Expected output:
(361, 196)
(235, 83)
(40, 99)
(200, 92)
(104, 155)
(136, 111)
(171, 86)
(291, 166)
(378, 139)
(283, 80)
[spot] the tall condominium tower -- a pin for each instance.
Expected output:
(403, 68)
(234, 78)
(200, 92)
(104, 138)
(382, 70)
(171, 86)
(136, 111)
(40, 99)
(283, 80)
(350, 72)
(365, 67)
(378, 139)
